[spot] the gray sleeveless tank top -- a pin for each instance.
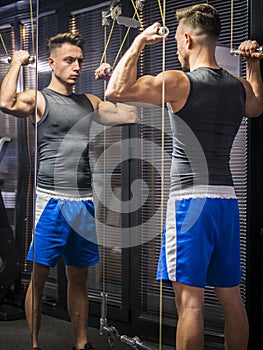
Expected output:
(63, 144)
(205, 128)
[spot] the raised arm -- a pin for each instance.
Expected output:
(18, 104)
(124, 86)
(253, 84)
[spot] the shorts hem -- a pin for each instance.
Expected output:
(41, 262)
(84, 264)
(46, 263)
(198, 285)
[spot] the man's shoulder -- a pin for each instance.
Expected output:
(176, 75)
(94, 100)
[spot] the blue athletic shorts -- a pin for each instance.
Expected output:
(201, 245)
(64, 227)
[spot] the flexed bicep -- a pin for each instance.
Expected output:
(21, 105)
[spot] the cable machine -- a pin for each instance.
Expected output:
(9, 263)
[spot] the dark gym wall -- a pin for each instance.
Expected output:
(255, 204)
(255, 168)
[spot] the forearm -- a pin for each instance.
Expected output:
(8, 92)
(255, 79)
(115, 114)
(124, 76)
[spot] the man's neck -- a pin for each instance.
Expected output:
(203, 58)
(61, 88)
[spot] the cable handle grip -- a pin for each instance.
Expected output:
(31, 59)
(127, 340)
(135, 343)
(108, 71)
(163, 31)
(234, 52)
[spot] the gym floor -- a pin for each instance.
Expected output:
(55, 334)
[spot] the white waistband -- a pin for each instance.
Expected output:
(202, 191)
(58, 195)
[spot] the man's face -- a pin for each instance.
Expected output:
(182, 51)
(65, 63)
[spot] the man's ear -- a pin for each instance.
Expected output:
(51, 62)
(188, 40)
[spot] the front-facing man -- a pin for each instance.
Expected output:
(65, 224)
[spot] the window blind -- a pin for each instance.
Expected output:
(47, 27)
(8, 128)
(107, 275)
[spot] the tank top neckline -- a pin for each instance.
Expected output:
(58, 93)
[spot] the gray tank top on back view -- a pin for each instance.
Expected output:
(205, 128)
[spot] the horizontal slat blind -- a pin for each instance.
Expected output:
(8, 128)
(47, 28)
(107, 275)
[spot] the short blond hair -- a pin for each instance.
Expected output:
(61, 38)
(201, 16)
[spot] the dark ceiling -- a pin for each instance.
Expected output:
(46, 3)
(9, 9)
(5, 2)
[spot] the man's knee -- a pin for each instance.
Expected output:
(77, 274)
